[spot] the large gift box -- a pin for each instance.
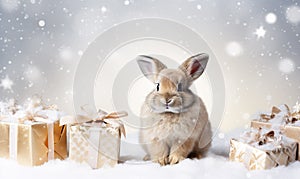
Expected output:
(95, 140)
(31, 134)
(283, 119)
(259, 149)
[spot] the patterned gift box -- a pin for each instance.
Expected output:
(95, 141)
(260, 152)
(96, 145)
(31, 135)
(283, 119)
(256, 159)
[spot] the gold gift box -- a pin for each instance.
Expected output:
(257, 159)
(285, 120)
(95, 145)
(30, 146)
(290, 131)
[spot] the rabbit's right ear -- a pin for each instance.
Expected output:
(150, 67)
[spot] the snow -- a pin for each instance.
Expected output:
(286, 66)
(32, 73)
(10, 5)
(293, 14)
(215, 165)
(41, 23)
(126, 2)
(65, 53)
(260, 32)
(234, 49)
(296, 108)
(271, 18)
(199, 7)
(103, 9)
(6, 83)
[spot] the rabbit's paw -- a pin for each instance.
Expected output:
(175, 158)
(162, 161)
(147, 157)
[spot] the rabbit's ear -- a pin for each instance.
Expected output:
(194, 66)
(150, 67)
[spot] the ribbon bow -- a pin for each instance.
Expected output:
(283, 112)
(101, 117)
(28, 112)
(260, 138)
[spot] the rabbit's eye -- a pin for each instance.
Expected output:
(179, 87)
(157, 86)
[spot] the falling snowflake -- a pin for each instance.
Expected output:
(296, 108)
(234, 49)
(221, 135)
(10, 5)
(293, 14)
(126, 2)
(286, 66)
(80, 52)
(32, 74)
(6, 83)
(65, 53)
(103, 9)
(199, 7)
(41, 23)
(271, 18)
(260, 32)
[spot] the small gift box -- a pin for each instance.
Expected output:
(283, 119)
(259, 149)
(31, 134)
(95, 140)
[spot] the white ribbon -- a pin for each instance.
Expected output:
(93, 147)
(13, 141)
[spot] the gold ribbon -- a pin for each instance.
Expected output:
(31, 115)
(288, 118)
(263, 138)
(100, 118)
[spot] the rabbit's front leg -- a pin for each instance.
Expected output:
(159, 152)
(180, 150)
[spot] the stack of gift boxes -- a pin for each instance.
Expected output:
(273, 139)
(35, 133)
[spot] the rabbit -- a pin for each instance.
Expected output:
(174, 120)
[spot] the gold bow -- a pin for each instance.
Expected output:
(30, 113)
(260, 138)
(101, 118)
(288, 118)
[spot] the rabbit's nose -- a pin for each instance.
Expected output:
(166, 101)
(169, 101)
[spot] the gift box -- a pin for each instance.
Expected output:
(258, 152)
(31, 134)
(95, 141)
(283, 119)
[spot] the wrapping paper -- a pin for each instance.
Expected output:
(283, 119)
(31, 142)
(290, 131)
(95, 140)
(257, 159)
(97, 146)
(31, 134)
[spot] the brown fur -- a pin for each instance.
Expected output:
(173, 132)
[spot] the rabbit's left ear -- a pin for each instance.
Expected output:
(150, 67)
(194, 66)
